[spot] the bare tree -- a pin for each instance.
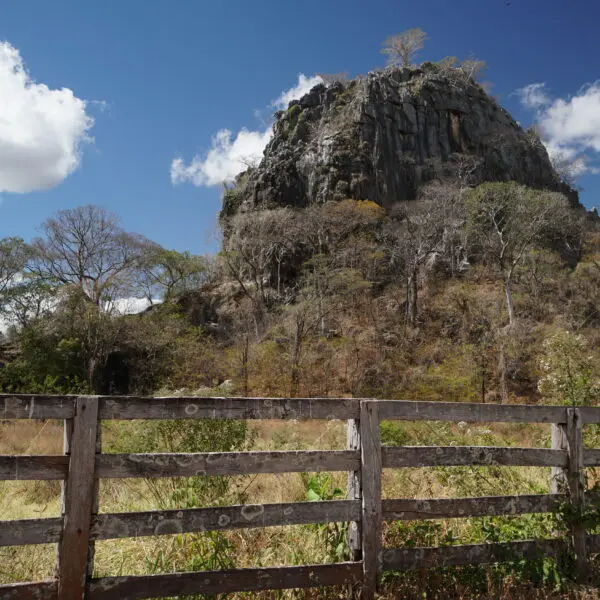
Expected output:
(414, 234)
(86, 247)
(86, 252)
(473, 68)
(402, 47)
(505, 220)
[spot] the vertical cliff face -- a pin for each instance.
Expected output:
(380, 137)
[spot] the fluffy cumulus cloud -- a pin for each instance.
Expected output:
(41, 129)
(230, 153)
(570, 128)
(226, 158)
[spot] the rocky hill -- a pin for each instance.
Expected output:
(381, 136)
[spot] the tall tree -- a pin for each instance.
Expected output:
(505, 220)
(85, 252)
(402, 47)
(87, 248)
(415, 232)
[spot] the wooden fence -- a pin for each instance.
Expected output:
(83, 464)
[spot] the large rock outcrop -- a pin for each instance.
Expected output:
(381, 136)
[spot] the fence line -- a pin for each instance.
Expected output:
(83, 464)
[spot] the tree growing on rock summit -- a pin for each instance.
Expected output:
(402, 47)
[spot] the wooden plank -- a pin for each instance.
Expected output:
(558, 475)
(228, 408)
(42, 590)
(36, 407)
(224, 582)
(446, 456)
(30, 531)
(79, 497)
(370, 455)
(471, 412)
(576, 480)
(31, 467)
(397, 559)
(95, 507)
(109, 526)
(224, 463)
(589, 414)
(593, 543)
(354, 491)
(450, 508)
(591, 457)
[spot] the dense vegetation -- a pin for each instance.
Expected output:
(465, 294)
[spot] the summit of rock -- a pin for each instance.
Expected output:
(381, 136)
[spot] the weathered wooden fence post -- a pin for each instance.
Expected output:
(354, 491)
(558, 475)
(370, 456)
(576, 481)
(78, 501)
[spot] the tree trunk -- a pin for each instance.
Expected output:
(245, 352)
(509, 301)
(411, 299)
(295, 371)
(502, 374)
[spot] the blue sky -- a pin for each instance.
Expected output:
(160, 78)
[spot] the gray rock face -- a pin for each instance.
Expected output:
(380, 137)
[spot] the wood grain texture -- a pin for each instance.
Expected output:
(30, 467)
(36, 407)
(354, 491)
(591, 457)
(42, 590)
(224, 463)
(447, 456)
(107, 526)
(449, 508)
(228, 408)
(30, 531)
(576, 481)
(371, 496)
(471, 412)
(79, 499)
(224, 582)
(558, 475)
(469, 554)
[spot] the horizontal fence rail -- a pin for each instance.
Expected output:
(83, 464)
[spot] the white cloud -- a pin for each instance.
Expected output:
(533, 96)
(230, 155)
(224, 160)
(570, 128)
(41, 130)
(575, 121)
(130, 306)
(305, 84)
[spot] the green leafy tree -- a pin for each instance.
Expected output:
(569, 371)
(166, 274)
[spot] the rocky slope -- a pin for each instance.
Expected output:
(381, 136)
